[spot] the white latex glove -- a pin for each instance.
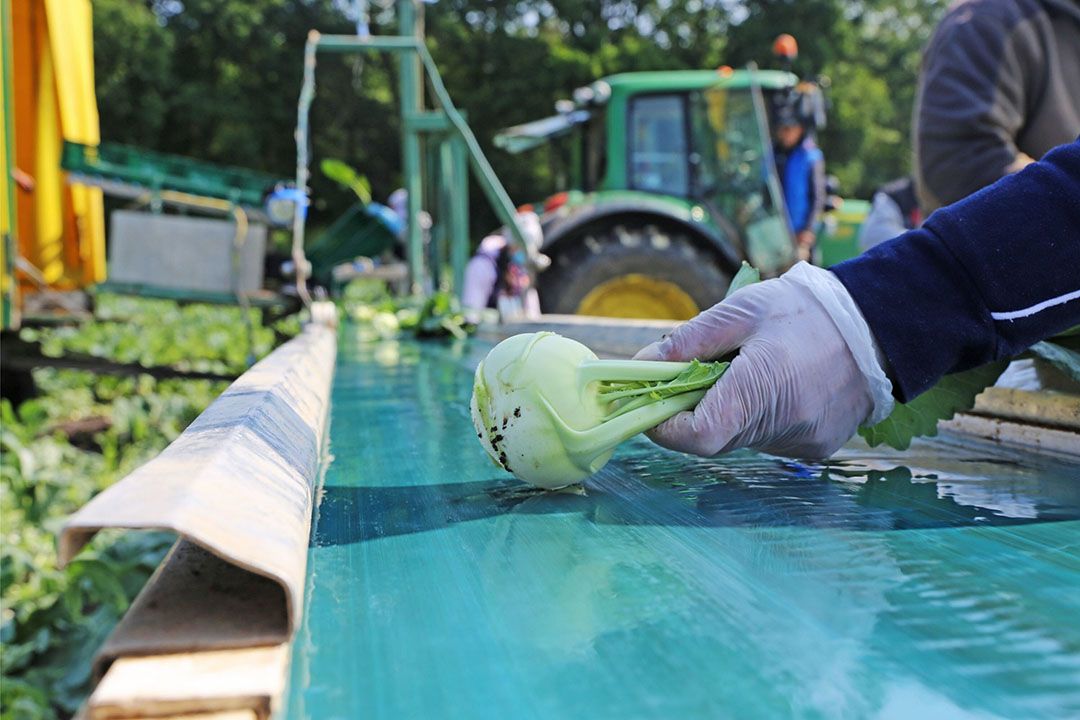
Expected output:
(806, 376)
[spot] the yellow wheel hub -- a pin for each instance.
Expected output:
(638, 296)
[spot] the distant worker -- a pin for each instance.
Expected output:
(894, 210)
(800, 165)
(399, 203)
(499, 275)
(1000, 86)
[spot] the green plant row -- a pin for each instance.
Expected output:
(79, 435)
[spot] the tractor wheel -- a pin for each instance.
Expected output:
(632, 272)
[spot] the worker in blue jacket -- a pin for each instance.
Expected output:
(821, 352)
(800, 165)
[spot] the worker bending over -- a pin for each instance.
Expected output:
(499, 275)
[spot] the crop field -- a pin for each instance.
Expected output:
(81, 433)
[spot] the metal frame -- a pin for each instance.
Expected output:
(457, 148)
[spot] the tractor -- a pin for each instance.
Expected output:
(671, 186)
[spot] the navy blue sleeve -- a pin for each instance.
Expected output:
(983, 279)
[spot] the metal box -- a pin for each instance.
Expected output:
(184, 253)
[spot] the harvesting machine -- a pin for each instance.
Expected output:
(670, 185)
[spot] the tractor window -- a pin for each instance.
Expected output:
(595, 151)
(658, 144)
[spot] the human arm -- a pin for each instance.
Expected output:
(818, 194)
(981, 280)
(806, 235)
(981, 70)
(959, 291)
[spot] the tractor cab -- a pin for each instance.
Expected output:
(670, 184)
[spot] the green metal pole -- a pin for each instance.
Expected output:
(482, 170)
(457, 170)
(8, 318)
(434, 190)
(411, 88)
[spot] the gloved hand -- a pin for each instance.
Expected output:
(806, 376)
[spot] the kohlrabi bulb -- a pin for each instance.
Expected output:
(525, 394)
(547, 410)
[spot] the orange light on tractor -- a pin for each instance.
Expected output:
(556, 201)
(785, 47)
(725, 71)
(526, 208)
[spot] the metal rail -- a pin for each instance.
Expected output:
(462, 145)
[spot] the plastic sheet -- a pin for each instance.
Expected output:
(943, 581)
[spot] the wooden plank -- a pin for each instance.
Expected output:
(258, 298)
(1052, 409)
(197, 601)
(247, 681)
(1034, 437)
(21, 354)
(209, 633)
(224, 715)
(239, 481)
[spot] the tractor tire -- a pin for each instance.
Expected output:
(632, 272)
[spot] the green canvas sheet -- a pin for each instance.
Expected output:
(939, 583)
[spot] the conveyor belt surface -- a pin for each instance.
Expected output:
(941, 582)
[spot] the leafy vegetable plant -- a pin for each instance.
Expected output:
(53, 620)
(548, 410)
(918, 418)
(343, 174)
(380, 315)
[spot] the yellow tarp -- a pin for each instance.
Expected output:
(60, 228)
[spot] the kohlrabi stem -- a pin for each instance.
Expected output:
(586, 446)
(629, 370)
(618, 392)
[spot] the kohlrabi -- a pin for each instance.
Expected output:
(548, 411)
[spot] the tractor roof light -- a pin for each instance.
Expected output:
(590, 95)
(556, 201)
(725, 71)
(564, 106)
(583, 96)
(601, 92)
(785, 47)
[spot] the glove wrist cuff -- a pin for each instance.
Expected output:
(848, 319)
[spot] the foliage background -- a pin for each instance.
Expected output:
(219, 80)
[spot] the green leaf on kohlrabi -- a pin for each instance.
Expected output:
(747, 275)
(343, 174)
(952, 394)
(632, 395)
(1061, 357)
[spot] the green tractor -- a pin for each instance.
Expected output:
(673, 185)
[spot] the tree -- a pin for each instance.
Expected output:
(219, 81)
(133, 71)
(869, 52)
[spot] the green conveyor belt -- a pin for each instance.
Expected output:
(939, 583)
